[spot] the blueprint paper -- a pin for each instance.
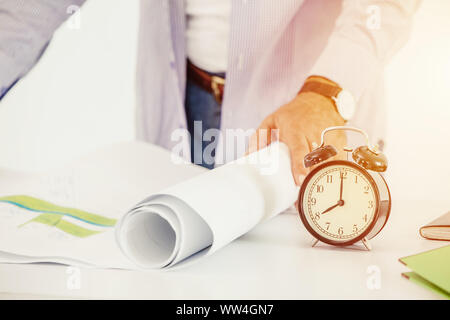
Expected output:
(69, 215)
(209, 210)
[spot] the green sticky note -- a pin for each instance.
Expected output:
(432, 266)
(413, 277)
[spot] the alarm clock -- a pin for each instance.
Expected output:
(342, 202)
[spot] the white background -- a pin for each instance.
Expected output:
(81, 96)
(81, 93)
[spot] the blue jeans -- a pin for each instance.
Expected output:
(201, 105)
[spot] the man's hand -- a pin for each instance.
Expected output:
(300, 123)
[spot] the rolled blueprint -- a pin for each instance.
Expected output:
(201, 215)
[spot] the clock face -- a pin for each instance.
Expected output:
(339, 202)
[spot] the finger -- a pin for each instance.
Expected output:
(264, 132)
(262, 137)
(298, 148)
(252, 144)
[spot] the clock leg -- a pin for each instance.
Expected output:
(314, 242)
(366, 244)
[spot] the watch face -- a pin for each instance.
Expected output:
(338, 202)
(345, 104)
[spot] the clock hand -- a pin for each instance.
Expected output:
(342, 187)
(340, 202)
(331, 208)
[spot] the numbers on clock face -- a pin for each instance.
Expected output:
(339, 202)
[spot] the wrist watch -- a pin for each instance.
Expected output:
(343, 100)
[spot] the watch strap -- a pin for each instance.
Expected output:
(322, 88)
(325, 87)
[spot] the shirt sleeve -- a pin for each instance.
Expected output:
(366, 35)
(26, 26)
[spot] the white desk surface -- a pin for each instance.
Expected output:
(274, 261)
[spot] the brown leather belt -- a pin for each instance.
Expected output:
(213, 84)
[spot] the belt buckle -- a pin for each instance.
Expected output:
(215, 83)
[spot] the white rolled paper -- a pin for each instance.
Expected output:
(207, 212)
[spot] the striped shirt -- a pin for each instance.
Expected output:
(273, 46)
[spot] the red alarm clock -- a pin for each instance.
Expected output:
(340, 201)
